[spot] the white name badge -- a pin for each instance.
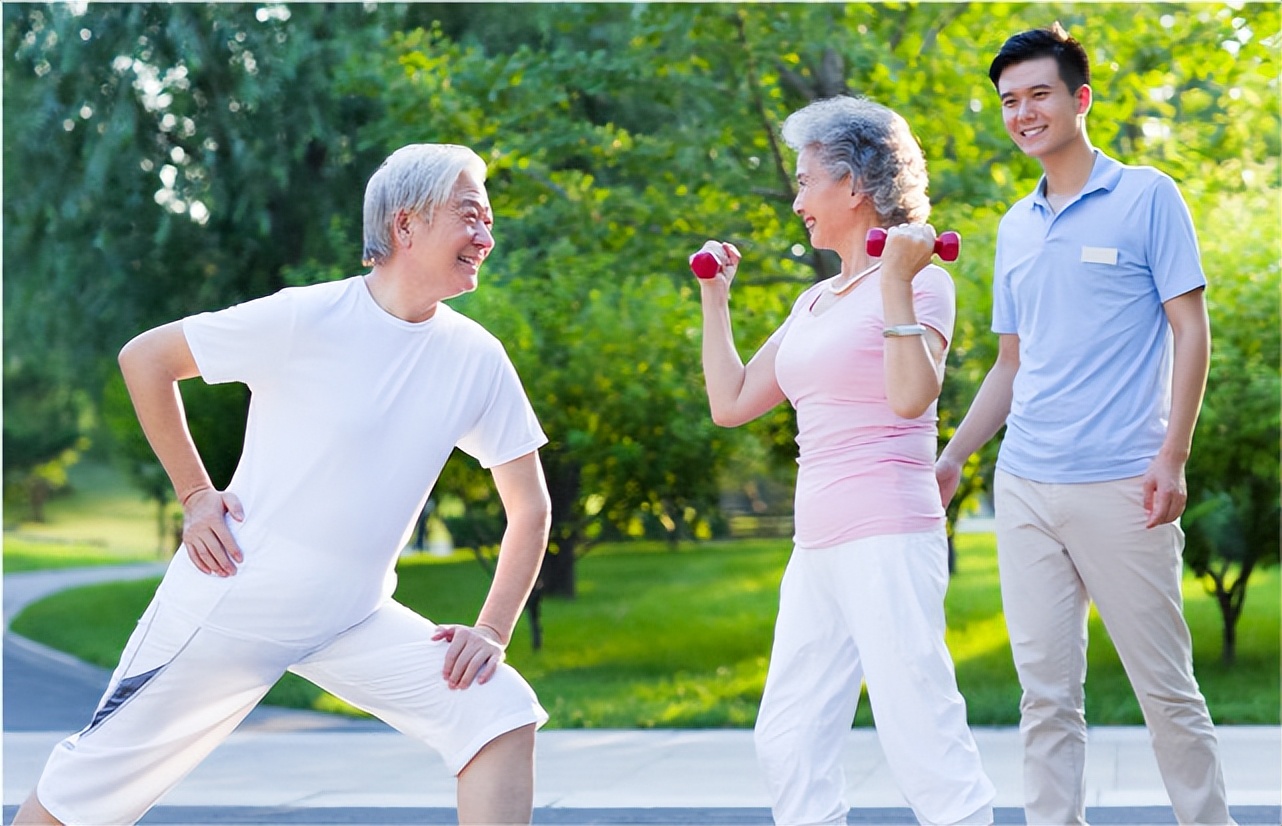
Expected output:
(1099, 255)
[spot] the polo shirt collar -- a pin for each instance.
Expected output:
(1105, 173)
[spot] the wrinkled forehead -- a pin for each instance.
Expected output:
(808, 161)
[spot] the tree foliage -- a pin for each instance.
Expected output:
(1234, 514)
(45, 429)
(216, 417)
(199, 151)
(213, 153)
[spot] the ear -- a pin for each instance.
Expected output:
(1084, 97)
(402, 232)
(857, 198)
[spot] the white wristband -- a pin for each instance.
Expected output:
(900, 330)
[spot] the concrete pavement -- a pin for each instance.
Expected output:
(286, 766)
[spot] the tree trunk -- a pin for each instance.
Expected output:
(534, 607)
(557, 578)
(164, 530)
(37, 495)
(1231, 601)
(1229, 654)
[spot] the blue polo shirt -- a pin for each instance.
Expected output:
(1083, 289)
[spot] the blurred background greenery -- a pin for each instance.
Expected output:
(166, 159)
(664, 635)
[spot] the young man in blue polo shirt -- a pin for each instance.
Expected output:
(1104, 346)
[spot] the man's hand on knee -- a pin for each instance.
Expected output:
(474, 654)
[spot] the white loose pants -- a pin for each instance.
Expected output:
(1060, 547)
(181, 689)
(867, 611)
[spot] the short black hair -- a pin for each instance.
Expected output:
(1070, 57)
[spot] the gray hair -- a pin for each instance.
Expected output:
(873, 145)
(416, 178)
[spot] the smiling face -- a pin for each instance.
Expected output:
(1041, 115)
(459, 238)
(826, 206)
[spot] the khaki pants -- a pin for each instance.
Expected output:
(1060, 547)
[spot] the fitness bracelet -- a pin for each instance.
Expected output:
(900, 330)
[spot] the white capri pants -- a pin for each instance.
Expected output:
(870, 611)
(181, 689)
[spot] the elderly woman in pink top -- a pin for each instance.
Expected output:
(861, 358)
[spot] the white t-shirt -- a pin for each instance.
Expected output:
(353, 413)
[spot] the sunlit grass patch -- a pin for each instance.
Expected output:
(99, 509)
(663, 637)
(24, 553)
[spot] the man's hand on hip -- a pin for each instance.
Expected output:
(208, 540)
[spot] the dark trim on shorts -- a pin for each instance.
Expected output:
(125, 689)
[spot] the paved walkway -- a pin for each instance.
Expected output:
(288, 767)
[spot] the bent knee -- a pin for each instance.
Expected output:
(1067, 710)
(515, 744)
(1185, 709)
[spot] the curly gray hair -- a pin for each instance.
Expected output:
(873, 145)
(417, 178)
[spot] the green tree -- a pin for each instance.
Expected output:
(131, 451)
(216, 416)
(609, 352)
(45, 428)
(200, 149)
(160, 160)
(214, 153)
(1233, 515)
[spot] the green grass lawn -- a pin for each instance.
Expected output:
(26, 553)
(658, 638)
(97, 520)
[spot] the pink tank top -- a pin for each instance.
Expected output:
(862, 470)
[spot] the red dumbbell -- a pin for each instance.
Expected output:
(947, 245)
(705, 265)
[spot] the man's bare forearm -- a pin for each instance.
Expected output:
(520, 558)
(990, 407)
(1191, 333)
(152, 365)
(524, 494)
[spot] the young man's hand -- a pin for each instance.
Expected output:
(948, 477)
(1165, 492)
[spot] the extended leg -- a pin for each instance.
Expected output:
(178, 692)
(1133, 576)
